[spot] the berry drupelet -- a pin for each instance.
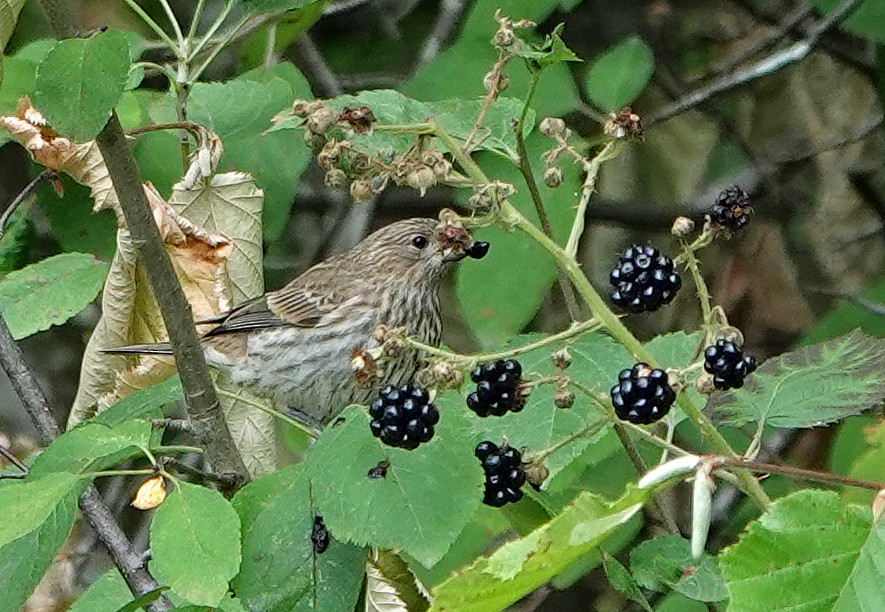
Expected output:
(403, 416)
(644, 279)
(726, 361)
(319, 535)
(504, 473)
(497, 388)
(642, 395)
(732, 209)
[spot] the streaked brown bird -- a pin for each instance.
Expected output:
(295, 345)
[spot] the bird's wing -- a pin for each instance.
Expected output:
(298, 304)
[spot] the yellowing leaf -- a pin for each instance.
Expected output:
(150, 494)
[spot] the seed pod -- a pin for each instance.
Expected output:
(563, 398)
(314, 141)
(536, 474)
(361, 190)
(504, 37)
(551, 126)
(553, 177)
(150, 494)
(421, 179)
(336, 179)
(562, 358)
(704, 384)
(682, 227)
(321, 120)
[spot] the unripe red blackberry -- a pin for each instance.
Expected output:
(727, 363)
(644, 279)
(643, 395)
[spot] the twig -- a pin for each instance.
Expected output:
(801, 473)
(29, 188)
(110, 533)
(181, 466)
(525, 168)
(200, 396)
(315, 67)
(493, 86)
(7, 454)
(763, 67)
(592, 168)
(449, 14)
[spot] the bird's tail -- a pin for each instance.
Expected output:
(159, 348)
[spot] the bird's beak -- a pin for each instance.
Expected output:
(454, 253)
(460, 244)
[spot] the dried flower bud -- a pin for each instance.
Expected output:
(682, 227)
(360, 119)
(553, 177)
(562, 358)
(504, 37)
(731, 334)
(361, 190)
(495, 81)
(367, 370)
(336, 179)
(551, 126)
(704, 384)
(563, 398)
(391, 339)
(330, 155)
(442, 169)
(624, 124)
(421, 179)
(303, 108)
(321, 120)
(150, 494)
(536, 474)
(314, 141)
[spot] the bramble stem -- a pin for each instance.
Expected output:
(592, 167)
(693, 266)
(802, 473)
(148, 20)
(587, 430)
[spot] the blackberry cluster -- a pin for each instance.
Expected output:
(644, 280)
(727, 363)
(497, 388)
(504, 473)
(319, 535)
(642, 395)
(732, 209)
(403, 416)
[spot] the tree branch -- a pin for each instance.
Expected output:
(203, 407)
(29, 188)
(97, 513)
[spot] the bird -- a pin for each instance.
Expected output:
(295, 345)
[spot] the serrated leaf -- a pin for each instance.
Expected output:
(38, 517)
(251, 426)
(623, 582)
(552, 51)
(80, 81)
(381, 594)
(93, 446)
(812, 386)
(49, 292)
(144, 404)
(107, 594)
(280, 570)
(195, 544)
(403, 509)
(520, 566)
(619, 75)
(666, 562)
(9, 10)
(808, 551)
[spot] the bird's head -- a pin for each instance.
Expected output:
(420, 247)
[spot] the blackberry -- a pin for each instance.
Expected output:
(497, 388)
(504, 473)
(642, 395)
(319, 535)
(403, 416)
(732, 209)
(644, 280)
(478, 250)
(727, 363)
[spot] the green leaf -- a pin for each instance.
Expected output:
(809, 551)
(495, 307)
(520, 566)
(262, 6)
(107, 594)
(665, 562)
(552, 51)
(623, 582)
(80, 81)
(9, 10)
(280, 570)
(38, 517)
(404, 509)
(143, 404)
(74, 225)
(619, 75)
(195, 544)
(810, 387)
(49, 292)
(848, 315)
(92, 447)
(867, 20)
(15, 241)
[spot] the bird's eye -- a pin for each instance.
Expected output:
(419, 242)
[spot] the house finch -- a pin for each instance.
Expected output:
(295, 345)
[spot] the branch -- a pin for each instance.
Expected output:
(29, 188)
(774, 62)
(97, 513)
(449, 15)
(202, 402)
(800, 473)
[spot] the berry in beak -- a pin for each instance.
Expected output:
(478, 250)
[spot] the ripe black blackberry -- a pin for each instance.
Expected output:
(732, 209)
(497, 388)
(642, 395)
(504, 473)
(644, 280)
(319, 535)
(403, 416)
(726, 361)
